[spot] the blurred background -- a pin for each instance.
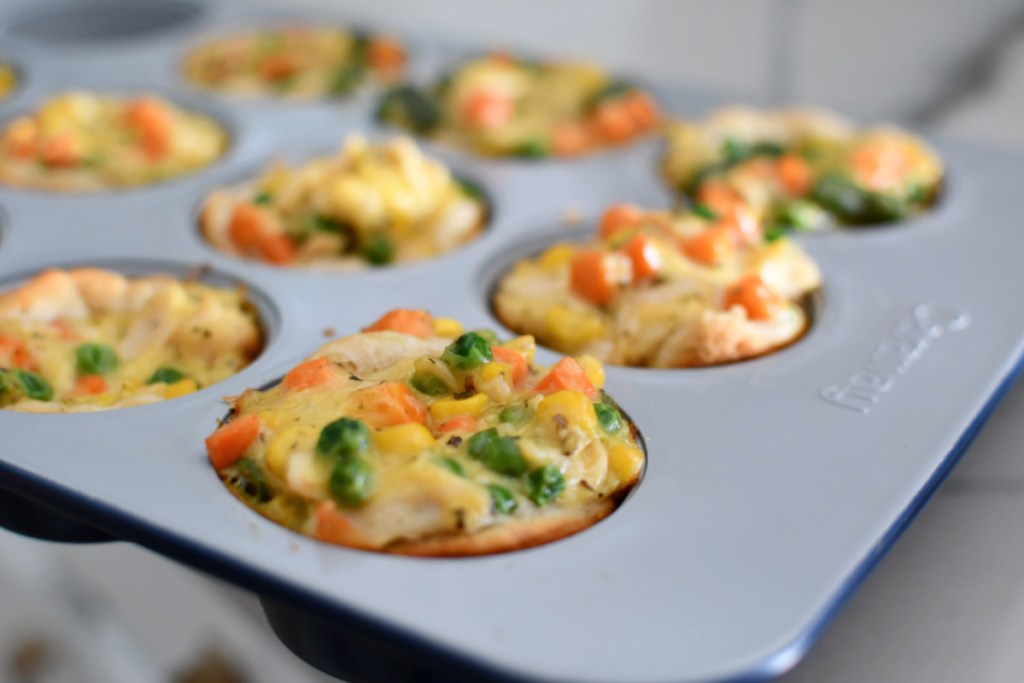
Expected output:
(947, 604)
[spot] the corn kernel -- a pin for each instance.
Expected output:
(405, 439)
(447, 327)
(557, 256)
(525, 346)
(493, 370)
(284, 444)
(593, 369)
(625, 461)
(574, 407)
(182, 387)
(447, 408)
(571, 329)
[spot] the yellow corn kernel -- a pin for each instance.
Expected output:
(182, 387)
(447, 408)
(557, 256)
(494, 369)
(447, 327)
(575, 408)
(593, 369)
(406, 439)
(284, 443)
(571, 329)
(625, 461)
(525, 346)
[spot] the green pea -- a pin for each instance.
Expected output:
(498, 453)
(350, 482)
(345, 438)
(263, 198)
(515, 414)
(96, 359)
(533, 149)
(249, 481)
(379, 250)
(167, 375)
(452, 465)
(608, 417)
(32, 385)
(502, 499)
(468, 351)
(544, 484)
(429, 384)
(704, 211)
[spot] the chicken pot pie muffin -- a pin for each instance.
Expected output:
(414, 437)
(503, 106)
(372, 204)
(663, 290)
(800, 168)
(299, 62)
(8, 80)
(88, 339)
(82, 141)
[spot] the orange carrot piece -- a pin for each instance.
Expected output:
(644, 255)
(277, 248)
(571, 139)
(719, 196)
(89, 385)
(592, 276)
(15, 352)
(642, 109)
(278, 66)
(514, 360)
(334, 527)
(61, 151)
(569, 375)
(613, 123)
(247, 227)
(388, 404)
(386, 55)
(741, 223)
(794, 175)
(232, 439)
(462, 423)
(488, 109)
(312, 373)
(64, 330)
(750, 292)
(710, 247)
(154, 123)
(415, 322)
(880, 164)
(619, 217)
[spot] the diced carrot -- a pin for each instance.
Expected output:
(719, 196)
(15, 352)
(642, 109)
(644, 254)
(386, 55)
(571, 139)
(760, 302)
(232, 439)
(742, 223)
(89, 385)
(61, 151)
(514, 360)
(334, 527)
(64, 330)
(22, 138)
(153, 121)
(488, 109)
(794, 174)
(620, 217)
(710, 247)
(312, 373)
(415, 322)
(278, 66)
(277, 248)
(388, 404)
(567, 374)
(612, 122)
(248, 224)
(593, 276)
(880, 164)
(462, 423)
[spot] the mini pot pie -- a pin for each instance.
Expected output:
(89, 339)
(414, 437)
(370, 205)
(503, 106)
(298, 62)
(8, 80)
(800, 168)
(663, 290)
(82, 141)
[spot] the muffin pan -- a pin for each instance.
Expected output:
(772, 486)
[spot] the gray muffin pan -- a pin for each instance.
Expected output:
(772, 486)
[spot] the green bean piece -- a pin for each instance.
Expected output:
(498, 453)
(404, 105)
(704, 211)
(344, 439)
(545, 484)
(350, 482)
(515, 414)
(167, 375)
(468, 351)
(347, 78)
(429, 384)
(452, 465)
(96, 359)
(502, 499)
